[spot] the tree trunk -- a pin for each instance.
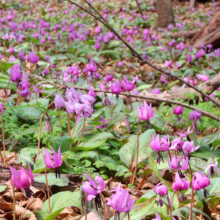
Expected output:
(209, 34)
(165, 14)
(192, 4)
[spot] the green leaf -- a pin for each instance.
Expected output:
(2, 188)
(153, 166)
(25, 159)
(94, 142)
(52, 180)
(62, 142)
(128, 152)
(145, 86)
(58, 203)
(27, 113)
(29, 151)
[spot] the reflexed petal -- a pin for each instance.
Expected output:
(25, 178)
(30, 173)
(185, 163)
(88, 189)
(90, 197)
(47, 159)
(92, 182)
(100, 181)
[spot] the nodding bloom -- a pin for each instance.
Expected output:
(24, 87)
(21, 56)
(200, 53)
(195, 116)
(175, 163)
(177, 144)
(33, 57)
(180, 46)
(59, 101)
(145, 112)
(189, 58)
(162, 191)
(200, 181)
(203, 77)
(185, 133)
(157, 216)
(11, 49)
(91, 67)
(108, 78)
(168, 63)
(212, 168)
(87, 100)
(54, 161)
(180, 184)
(102, 121)
(93, 188)
(22, 179)
(159, 145)
(188, 148)
(48, 125)
(37, 90)
(127, 85)
(120, 201)
(178, 110)
(83, 110)
(16, 73)
(1, 108)
(102, 86)
(115, 87)
(171, 43)
(91, 91)
(155, 91)
(120, 64)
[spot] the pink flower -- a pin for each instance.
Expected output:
(200, 181)
(145, 112)
(102, 121)
(212, 168)
(203, 77)
(22, 179)
(1, 108)
(188, 148)
(178, 110)
(168, 63)
(91, 91)
(162, 191)
(54, 161)
(115, 87)
(175, 163)
(33, 57)
(37, 90)
(59, 101)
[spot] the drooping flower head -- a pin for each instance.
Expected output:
(59, 101)
(212, 168)
(177, 144)
(115, 87)
(160, 145)
(102, 121)
(92, 189)
(22, 179)
(1, 108)
(54, 161)
(180, 184)
(145, 112)
(162, 191)
(188, 148)
(200, 181)
(120, 201)
(33, 57)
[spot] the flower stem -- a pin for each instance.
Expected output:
(3, 140)
(81, 132)
(192, 199)
(60, 122)
(38, 148)
(13, 189)
(104, 207)
(135, 171)
(68, 120)
(86, 207)
(128, 216)
(168, 120)
(48, 191)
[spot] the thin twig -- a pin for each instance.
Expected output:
(136, 54)
(139, 8)
(143, 97)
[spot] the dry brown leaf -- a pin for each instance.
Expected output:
(91, 216)
(40, 194)
(21, 212)
(5, 206)
(18, 196)
(34, 204)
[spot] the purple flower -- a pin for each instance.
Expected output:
(120, 201)
(21, 56)
(175, 163)
(185, 133)
(188, 148)
(1, 108)
(54, 161)
(157, 216)
(120, 64)
(102, 121)
(91, 91)
(155, 91)
(168, 63)
(195, 115)
(180, 46)
(212, 168)
(171, 43)
(22, 179)
(200, 53)
(11, 49)
(37, 90)
(59, 101)
(91, 67)
(180, 184)
(108, 78)
(93, 188)
(203, 77)
(178, 110)
(200, 181)
(159, 145)
(102, 86)
(189, 58)
(115, 87)
(162, 191)
(127, 85)
(177, 144)
(145, 112)
(16, 73)
(33, 57)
